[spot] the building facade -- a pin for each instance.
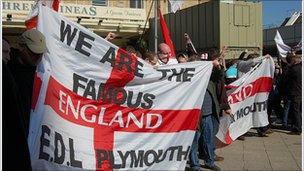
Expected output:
(214, 24)
(127, 18)
(290, 31)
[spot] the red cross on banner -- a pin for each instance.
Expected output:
(103, 124)
(32, 18)
(96, 107)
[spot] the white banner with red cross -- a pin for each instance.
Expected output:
(247, 98)
(96, 107)
(31, 21)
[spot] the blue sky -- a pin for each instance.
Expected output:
(275, 11)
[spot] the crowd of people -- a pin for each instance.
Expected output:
(287, 90)
(19, 65)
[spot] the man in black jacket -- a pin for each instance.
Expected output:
(13, 124)
(215, 101)
(294, 91)
(24, 59)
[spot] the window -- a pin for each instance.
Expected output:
(100, 2)
(136, 4)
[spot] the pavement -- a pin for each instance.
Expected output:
(278, 151)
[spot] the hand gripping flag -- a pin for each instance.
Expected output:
(31, 21)
(283, 48)
(248, 101)
(190, 49)
(100, 108)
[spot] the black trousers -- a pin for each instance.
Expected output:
(296, 111)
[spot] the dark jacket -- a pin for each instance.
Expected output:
(15, 154)
(281, 86)
(219, 96)
(24, 77)
(217, 90)
(293, 81)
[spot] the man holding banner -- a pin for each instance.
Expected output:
(248, 101)
(244, 67)
(24, 59)
(214, 102)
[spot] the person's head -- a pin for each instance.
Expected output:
(242, 55)
(193, 57)
(6, 48)
(213, 56)
(164, 52)
(232, 62)
(293, 58)
(32, 46)
(252, 55)
(182, 58)
(131, 50)
(151, 58)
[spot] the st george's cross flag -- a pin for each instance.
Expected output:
(247, 98)
(100, 108)
(31, 21)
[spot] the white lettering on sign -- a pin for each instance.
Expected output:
(89, 113)
(245, 92)
(79, 10)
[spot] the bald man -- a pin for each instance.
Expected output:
(164, 55)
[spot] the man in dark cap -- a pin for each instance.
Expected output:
(24, 59)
